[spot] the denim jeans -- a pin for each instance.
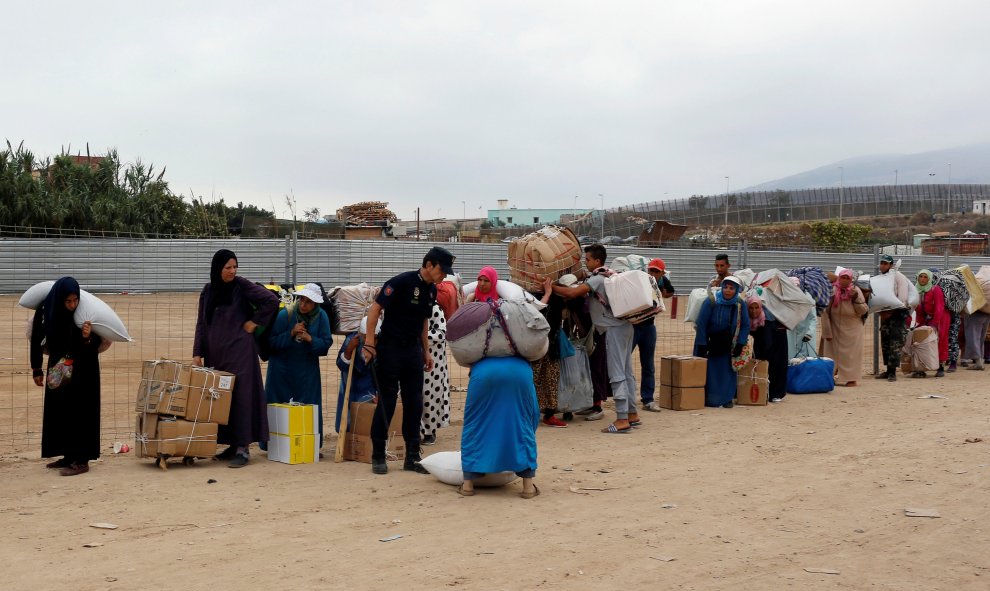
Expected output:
(645, 337)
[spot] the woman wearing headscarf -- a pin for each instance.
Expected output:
(436, 382)
(546, 370)
(770, 345)
(70, 425)
(931, 312)
(718, 322)
(487, 282)
(842, 329)
(299, 337)
(231, 310)
(363, 384)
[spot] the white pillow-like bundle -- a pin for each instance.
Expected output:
(506, 290)
(105, 321)
(446, 466)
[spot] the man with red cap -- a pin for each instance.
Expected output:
(645, 338)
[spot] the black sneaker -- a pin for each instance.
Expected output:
(239, 461)
(379, 466)
(728, 404)
(227, 453)
(414, 466)
(882, 376)
(940, 373)
(892, 377)
(429, 440)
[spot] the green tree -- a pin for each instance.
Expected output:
(837, 236)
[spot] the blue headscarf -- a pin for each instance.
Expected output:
(57, 317)
(720, 299)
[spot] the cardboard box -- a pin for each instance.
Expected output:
(294, 436)
(197, 394)
(209, 393)
(156, 435)
(906, 365)
(678, 398)
(162, 388)
(294, 449)
(357, 444)
(920, 333)
(752, 385)
(685, 371)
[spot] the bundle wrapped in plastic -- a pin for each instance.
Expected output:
(551, 251)
(350, 304)
(500, 328)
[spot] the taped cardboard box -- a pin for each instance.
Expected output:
(752, 383)
(156, 435)
(685, 371)
(357, 444)
(679, 398)
(197, 394)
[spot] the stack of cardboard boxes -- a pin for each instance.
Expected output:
(357, 444)
(179, 407)
(294, 433)
(682, 382)
(752, 383)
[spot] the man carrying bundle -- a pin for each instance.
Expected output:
(893, 323)
(403, 353)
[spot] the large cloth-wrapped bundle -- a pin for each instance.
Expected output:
(350, 305)
(497, 329)
(656, 307)
(814, 282)
(786, 301)
(884, 297)
(954, 289)
(632, 262)
(629, 293)
(695, 300)
(574, 389)
(983, 278)
(551, 251)
(922, 347)
(978, 300)
(105, 321)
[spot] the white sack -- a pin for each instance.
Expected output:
(695, 299)
(884, 297)
(629, 293)
(105, 321)
(924, 355)
(446, 466)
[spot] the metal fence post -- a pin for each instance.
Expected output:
(287, 277)
(295, 258)
(876, 318)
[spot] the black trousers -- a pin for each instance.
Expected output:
(400, 371)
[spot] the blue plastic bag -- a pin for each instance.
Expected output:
(566, 348)
(814, 375)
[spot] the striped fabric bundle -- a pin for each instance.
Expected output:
(814, 282)
(953, 288)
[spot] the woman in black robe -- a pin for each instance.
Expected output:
(71, 423)
(231, 310)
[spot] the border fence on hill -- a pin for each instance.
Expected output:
(153, 285)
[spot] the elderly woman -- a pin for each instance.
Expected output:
(231, 309)
(842, 329)
(363, 384)
(721, 330)
(770, 345)
(300, 336)
(931, 312)
(70, 425)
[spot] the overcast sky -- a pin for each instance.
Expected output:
(433, 104)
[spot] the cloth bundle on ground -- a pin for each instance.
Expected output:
(953, 289)
(813, 281)
(497, 329)
(808, 374)
(629, 293)
(574, 389)
(786, 301)
(921, 346)
(630, 262)
(350, 305)
(446, 466)
(105, 321)
(551, 251)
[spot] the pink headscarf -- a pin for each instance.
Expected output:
(841, 294)
(759, 320)
(490, 274)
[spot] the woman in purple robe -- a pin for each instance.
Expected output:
(231, 310)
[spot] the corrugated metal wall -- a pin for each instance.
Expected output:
(108, 265)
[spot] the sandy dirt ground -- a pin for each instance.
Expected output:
(807, 494)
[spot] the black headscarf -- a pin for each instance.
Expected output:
(58, 320)
(220, 291)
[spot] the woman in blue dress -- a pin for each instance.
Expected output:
(717, 322)
(300, 336)
(500, 419)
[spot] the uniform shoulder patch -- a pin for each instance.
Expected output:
(388, 290)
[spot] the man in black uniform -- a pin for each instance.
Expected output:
(403, 353)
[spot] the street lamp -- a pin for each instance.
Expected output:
(948, 197)
(463, 210)
(726, 224)
(931, 179)
(842, 173)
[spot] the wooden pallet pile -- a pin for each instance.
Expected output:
(366, 213)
